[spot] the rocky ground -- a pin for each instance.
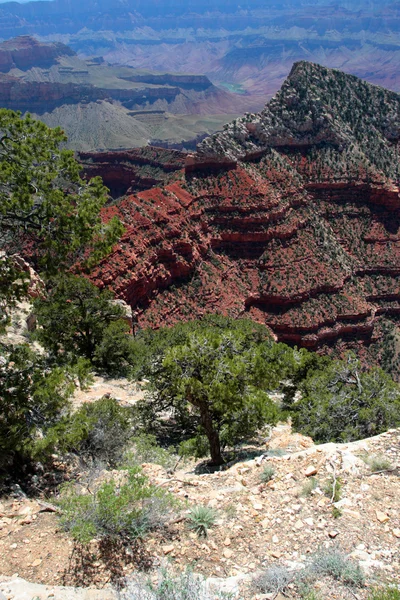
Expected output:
(279, 522)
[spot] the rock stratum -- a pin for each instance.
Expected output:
(103, 106)
(290, 216)
(248, 46)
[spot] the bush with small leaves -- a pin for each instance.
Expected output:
(34, 394)
(145, 449)
(274, 580)
(378, 463)
(78, 319)
(342, 402)
(201, 518)
(267, 474)
(310, 485)
(385, 593)
(97, 432)
(310, 595)
(333, 489)
(334, 563)
(121, 507)
(185, 586)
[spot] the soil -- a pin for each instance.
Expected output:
(258, 524)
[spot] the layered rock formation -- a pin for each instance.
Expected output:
(247, 46)
(25, 52)
(290, 216)
(129, 171)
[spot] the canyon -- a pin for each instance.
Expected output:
(248, 47)
(102, 106)
(289, 216)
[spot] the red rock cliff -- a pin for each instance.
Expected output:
(303, 237)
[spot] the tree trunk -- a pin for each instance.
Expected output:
(212, 436)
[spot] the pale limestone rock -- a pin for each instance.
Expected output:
(333, 534)
(382, 517)
(396, 533)
(310, 471)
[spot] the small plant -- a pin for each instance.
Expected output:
(310, 485)
(201, 519)
(310, 595)
(230, 510)
(276, 452)
(333, 489)
(120, 508)
(378, 463)
(334, 563)
(267, 474)
(185, 586)
(387, 593)
(336, 512)
(97, 432)
(274, 580)
(146, 450)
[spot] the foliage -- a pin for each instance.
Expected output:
(201, 519)
(310, 595)
(274, 579)
(218, 378)
(378, 463)
(44, 204)
(152, 344)
(309, 486)
(333, 489)
(120, 507)
(146, 450)
(185, 586)
(48, 213)
(33, 394)
(344, 403)
(114, 352)
(332, 562)
(14, 283)
(326, 562)
(385, 593)
(78, 318)
(97, 431)
(197, 447)
(267, 474)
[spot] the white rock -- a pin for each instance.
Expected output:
(310, 470)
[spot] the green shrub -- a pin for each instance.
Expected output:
(385, 593)
(122, 507)
(78, 319)
(214, 377)
(310, 485)
(333, 489)
(115, 350)
(197, 447)
(97, 431)
(146, 450)
(344, 403)
(34, 393)
(184, 586)
(267, 474)
(334, 563)
(201, 519)
(378, 463)
(274, 580)
(336, 512)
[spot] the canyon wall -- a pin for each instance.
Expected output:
(290, 217)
